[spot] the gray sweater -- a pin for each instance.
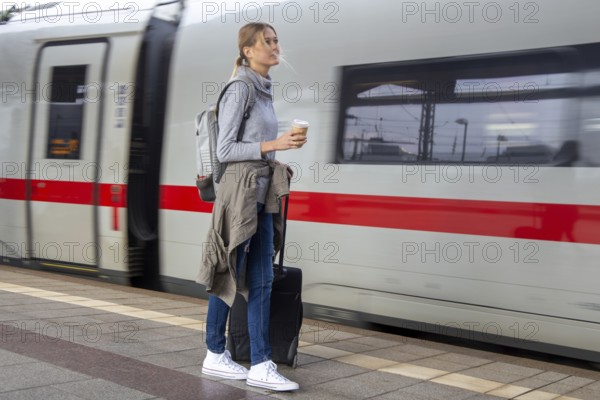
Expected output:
(261, 126)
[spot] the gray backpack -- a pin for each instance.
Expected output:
(209, 169)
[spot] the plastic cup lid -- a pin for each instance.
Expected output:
(300, 123)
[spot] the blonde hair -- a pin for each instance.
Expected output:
(247, 37)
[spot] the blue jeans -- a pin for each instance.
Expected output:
(259, 278)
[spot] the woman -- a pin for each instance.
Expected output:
(251, 161)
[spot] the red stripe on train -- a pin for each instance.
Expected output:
(55, 191)
(12, 189)
(555, 222)
(536, 221)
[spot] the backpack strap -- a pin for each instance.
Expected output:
(197, 121)
(249, 102)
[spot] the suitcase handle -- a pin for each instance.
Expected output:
(279, 268)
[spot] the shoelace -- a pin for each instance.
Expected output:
(272, 371)
(226, 359)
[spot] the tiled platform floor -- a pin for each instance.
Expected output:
(68, 338)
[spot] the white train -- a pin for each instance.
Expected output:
(449, 184)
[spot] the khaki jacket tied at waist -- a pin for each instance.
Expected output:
(234, 220)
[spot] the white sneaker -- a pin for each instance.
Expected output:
(223, 366)
(265, 375)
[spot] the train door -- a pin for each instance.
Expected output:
(63, 170)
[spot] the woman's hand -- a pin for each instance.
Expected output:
(288, 140)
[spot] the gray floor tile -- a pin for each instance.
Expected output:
(567, 385)
(541, 380)
(393, 354)
(366, 385)
(467, 361)
(125, 349)
(176, 344)
(351, 346)
(45, 393)
(99, 389)
(443, 365)
(47, 305)
(10, 358)
(589, 392)
(418, 350)
(434, 391)
(61, 313)
(30, 375)
(174, 360)
(402, 395)
(502, 372)
(321, 372)
(175, 331)
(377, 342)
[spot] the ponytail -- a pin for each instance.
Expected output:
(238, 63)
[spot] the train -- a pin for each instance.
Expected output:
(449, 183)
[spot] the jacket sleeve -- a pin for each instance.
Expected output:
(231, 112)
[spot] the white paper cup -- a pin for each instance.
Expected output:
(300, 127)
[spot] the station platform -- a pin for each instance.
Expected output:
(69, 338)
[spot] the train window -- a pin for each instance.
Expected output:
(500, 109)
(66, 91)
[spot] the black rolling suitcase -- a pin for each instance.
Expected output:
(285, 318)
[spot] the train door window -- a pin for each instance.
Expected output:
(65, 123)
(590, 113)
(499, 109)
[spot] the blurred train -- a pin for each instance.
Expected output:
(450, 183)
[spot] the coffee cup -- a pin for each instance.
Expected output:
(299, 127)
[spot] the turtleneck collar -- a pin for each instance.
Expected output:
(263, 84)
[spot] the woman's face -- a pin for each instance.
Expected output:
(264, 54)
